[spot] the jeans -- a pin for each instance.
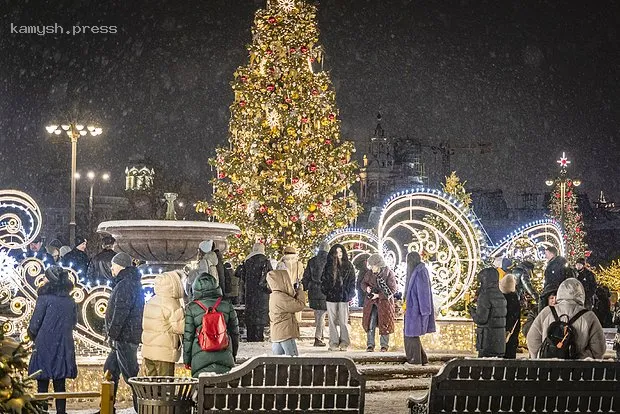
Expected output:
(338, 315)
(59, 386)
(123, 359)
(384, 340)
(288, 347)
(319, 321)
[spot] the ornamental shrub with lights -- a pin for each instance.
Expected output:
(285, 177)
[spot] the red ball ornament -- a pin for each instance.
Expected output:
(328, 141)
(295, 180)
(244, 78)
(311, 217)
(312, 59)
(294, 219)
(288, 100)
(331, 117)
(292, 50)
(327, 202)
(262, 209)
(557, 195)
(319, 204)
(303, 49)
(312, 167)
(209, 211)
(270, 88)
(272, 20)
(269, 161)
(569, 194)
(230, 196)
(239, 190)
(269, 51)
(238, 235)
(315, 92)
(221, 175)
(578, 230)
(304, 120)
(242, 103)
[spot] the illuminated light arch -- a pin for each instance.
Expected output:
(358, 242)
(537, 235)
(402, 228)
(20, 219)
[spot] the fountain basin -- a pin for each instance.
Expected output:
(165, 242)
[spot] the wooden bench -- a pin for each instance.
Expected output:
(106, 395)
(490, 385)
(283, 383)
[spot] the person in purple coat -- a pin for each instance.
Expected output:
(419, 309)
(51, 329)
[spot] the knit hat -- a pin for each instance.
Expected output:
(64, 250)
(206, 246)
(376, 260)
(122, 259)
(290, 250)
(508, 284)
(324, 246)
(79, 240)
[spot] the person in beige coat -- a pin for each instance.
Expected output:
(295, 269)
(163, 324)
(284, 301)
(590, 338)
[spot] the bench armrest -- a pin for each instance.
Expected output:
(418, 405)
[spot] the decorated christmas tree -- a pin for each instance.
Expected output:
(609, 275)
(285, 177)
(563, 206)
(15, 386)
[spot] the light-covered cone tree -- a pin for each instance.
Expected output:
(285, 177)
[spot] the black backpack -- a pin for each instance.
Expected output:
(561, 336)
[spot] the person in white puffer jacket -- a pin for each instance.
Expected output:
(163, 325)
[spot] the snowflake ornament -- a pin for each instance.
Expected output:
(327, 210)
(273, 118)
(301, 189)
(251, 208)
(287, 5)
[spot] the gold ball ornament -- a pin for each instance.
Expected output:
(290, 199)
(312, 208)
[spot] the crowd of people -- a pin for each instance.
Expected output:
(192, 316)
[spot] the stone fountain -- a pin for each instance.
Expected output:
(167, 244)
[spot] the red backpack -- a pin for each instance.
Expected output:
(212, 336)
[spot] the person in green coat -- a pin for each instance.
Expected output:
(207, 291)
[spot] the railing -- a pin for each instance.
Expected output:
(106, 394)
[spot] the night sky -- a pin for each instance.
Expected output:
(534, 78)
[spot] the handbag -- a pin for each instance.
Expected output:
(509, 333)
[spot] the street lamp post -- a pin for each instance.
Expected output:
(74, 131)
(91, 176)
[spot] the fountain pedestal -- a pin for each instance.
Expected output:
(168, 244)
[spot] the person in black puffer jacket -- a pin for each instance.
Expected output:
(338, 285)
(253, 276)
(508, 286)
(123, 321)
(490, 316)
(316, 298)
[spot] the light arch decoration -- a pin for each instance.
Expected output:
(21, 276)
(359, 243)
(406, 224)
(530, 241)
(20, 219)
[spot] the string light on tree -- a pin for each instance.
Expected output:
(563, 207)
(285, 176)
